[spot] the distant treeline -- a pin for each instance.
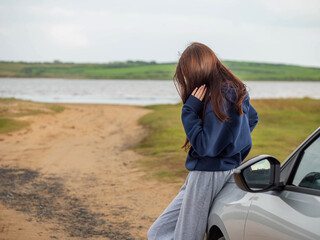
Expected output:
(151, 70)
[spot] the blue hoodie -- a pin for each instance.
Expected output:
(217, 145)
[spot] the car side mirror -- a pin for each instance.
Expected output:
(259, 174)
(311, 180)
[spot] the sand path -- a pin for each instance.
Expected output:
(71, 176)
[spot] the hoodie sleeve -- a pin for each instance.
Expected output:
(253, 117)
(209, 139)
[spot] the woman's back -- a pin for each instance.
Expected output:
(218, 145)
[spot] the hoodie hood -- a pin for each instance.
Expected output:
(231, 96)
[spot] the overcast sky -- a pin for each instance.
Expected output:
(277, 31)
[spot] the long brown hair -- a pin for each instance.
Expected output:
(199, 65)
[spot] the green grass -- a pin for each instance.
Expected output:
(283, 125)
(152, 70)
(11, 109)
(9, 125)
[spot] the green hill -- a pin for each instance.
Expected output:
(151, 70)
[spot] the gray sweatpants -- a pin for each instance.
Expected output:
(186, 216)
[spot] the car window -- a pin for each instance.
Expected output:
(308, 172)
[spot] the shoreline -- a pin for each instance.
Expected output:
(137, 93)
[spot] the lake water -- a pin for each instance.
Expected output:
(134, 92)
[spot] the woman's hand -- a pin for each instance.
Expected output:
(199, 93)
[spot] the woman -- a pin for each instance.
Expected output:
(218, 120)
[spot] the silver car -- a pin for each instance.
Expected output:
(264, 200)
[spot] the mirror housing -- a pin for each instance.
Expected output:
(259, 174)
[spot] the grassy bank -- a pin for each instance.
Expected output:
(152, 70)
(11, 111)
(283, 125)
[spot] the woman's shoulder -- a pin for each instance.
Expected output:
(230, 97)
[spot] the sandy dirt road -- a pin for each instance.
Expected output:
(71, 176)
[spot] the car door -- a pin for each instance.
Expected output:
(294, 212)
